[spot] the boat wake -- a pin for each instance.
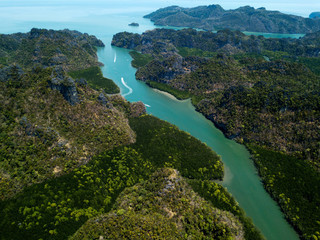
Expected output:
(130, 89)
(147, 105)
(115, 58)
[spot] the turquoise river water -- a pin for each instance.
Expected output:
(241, 177)
(105, 18)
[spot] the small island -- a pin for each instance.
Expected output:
(134, 24)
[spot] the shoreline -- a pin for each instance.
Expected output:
(169, 95)
(228, 177)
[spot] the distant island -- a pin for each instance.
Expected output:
(214, 17)
(315, 15)
(134, 24)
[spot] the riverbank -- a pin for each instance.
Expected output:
(106, 18)
(243, 182)
(290, 200)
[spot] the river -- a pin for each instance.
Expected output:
(105, 18)
(241, 178)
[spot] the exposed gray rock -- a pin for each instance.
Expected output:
(103, 99)
(11, 72)
(65, 85)
(137, 109)
(81, 81)
(58, 60)
(44, 133)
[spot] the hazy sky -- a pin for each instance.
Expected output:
(298, 7)
(20, 15)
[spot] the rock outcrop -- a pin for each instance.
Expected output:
(65, 85)
(137, 109)
(11, 72)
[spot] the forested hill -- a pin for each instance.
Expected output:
(284, 73)
(163, 207)
(69, 146)
(261, 92)
(214, 17)
(224, 41)
(41, 47)
(51, 123)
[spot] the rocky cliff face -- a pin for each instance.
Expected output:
(65, 85)
(247, 18)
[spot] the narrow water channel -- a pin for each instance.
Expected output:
(105, 18)
(241, 177)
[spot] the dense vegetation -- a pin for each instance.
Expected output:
(187, 52)
(221, 199)
(164, 87)
(164, 41)
(262, 92)
(42, 135)
(164, 207)
(275, 104)
(40, 47)
(214, 17)
(49, 122)
(295, 185)
(67, 150)
(166, 146)
(140, 60)
(95, 79)
(56, 208)
(243, 68)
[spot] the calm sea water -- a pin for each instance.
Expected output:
(21, 15)
(104, 18)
